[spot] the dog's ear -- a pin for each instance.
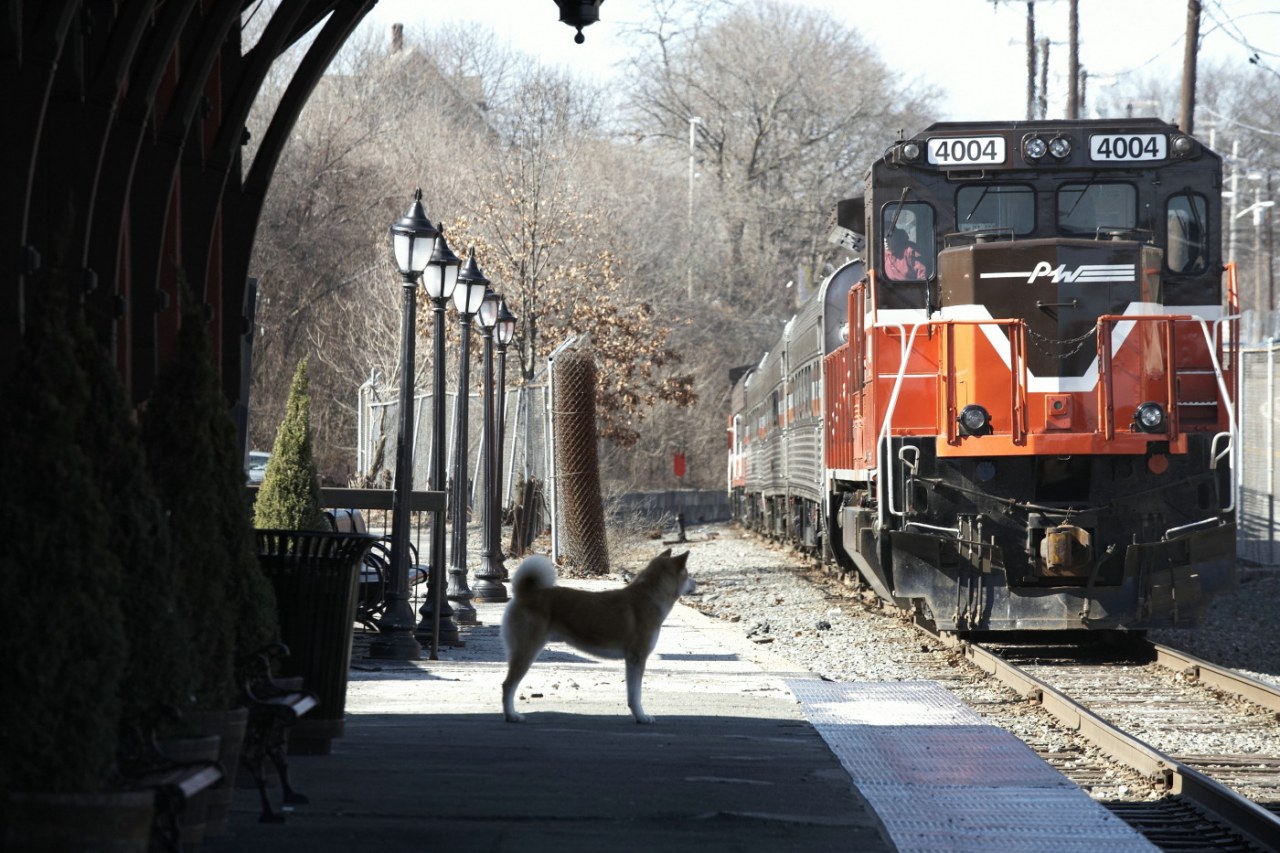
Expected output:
(664, 554)
(680, 559)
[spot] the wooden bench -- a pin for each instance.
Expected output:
(274, 706)
(143, 766)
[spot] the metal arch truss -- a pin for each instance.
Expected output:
(125, 121)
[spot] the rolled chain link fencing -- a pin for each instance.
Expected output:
(579, 506)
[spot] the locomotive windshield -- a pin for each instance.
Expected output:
(1084, 210)
(996, 206)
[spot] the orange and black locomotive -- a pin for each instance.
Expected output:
(1016, 409)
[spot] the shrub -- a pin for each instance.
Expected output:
(194, 457)
(61, 626)
(289, 498)
(160, 667)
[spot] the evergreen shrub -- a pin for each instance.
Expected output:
(289, 497)
(61, 625)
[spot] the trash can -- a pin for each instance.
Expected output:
(315, 574)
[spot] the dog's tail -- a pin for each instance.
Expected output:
(536, 572)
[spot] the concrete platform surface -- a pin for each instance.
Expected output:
(428, 764)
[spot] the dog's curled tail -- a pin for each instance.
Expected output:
(536, 572)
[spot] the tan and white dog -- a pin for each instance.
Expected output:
(618, 623)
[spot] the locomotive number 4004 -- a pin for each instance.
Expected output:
(1137, 146)
(966, 150)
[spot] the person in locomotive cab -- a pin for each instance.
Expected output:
(902, 260)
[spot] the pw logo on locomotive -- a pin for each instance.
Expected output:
(1083, 273)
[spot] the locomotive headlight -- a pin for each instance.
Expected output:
(1149, 417)
(1033, 148)
(1183, 146)
(903, 152)
(974, 420)
(1060, 147)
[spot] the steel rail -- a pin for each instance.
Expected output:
(1256, 691)
(1251, 820)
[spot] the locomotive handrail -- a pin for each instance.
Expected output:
(1233, 429)
(885, 428)
(1212, 342)
(1017, 376)
(1172, 531)
(1106, 330)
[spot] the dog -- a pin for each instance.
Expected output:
(618, 623)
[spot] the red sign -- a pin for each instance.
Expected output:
(677, 462)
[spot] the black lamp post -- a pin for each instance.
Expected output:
(439, 280)
(504, 334)
(413, 240)
(489, 576)
(467, 297)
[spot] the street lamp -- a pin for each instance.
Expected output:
(505, 333)
(439, 280)
(413, 240)
(467, 297)
(489, 576)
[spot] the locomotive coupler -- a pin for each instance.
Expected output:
(1065, 550)
(1059, 548)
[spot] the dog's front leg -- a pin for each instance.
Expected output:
(635, 679)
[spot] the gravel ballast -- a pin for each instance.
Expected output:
(781, 599)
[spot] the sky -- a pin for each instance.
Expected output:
(974, 51)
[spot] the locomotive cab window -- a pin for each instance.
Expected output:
(1088, 210)
(908, 241)
(1188, 237)
(996, 208)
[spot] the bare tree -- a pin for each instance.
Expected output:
(556, 241)
(781, 136)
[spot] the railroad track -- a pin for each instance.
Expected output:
(1142, 710)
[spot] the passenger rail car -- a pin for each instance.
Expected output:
(1017, 410)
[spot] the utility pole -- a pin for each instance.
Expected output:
(1271, 251)
(1073, 62)
(1031, 59)
(1235, 200)
(1044, 77)
(693, 122)
(1186, 121)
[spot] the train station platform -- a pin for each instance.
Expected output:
(747, 754)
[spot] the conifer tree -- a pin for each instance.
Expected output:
(289, 498)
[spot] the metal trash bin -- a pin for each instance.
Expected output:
(315, 574)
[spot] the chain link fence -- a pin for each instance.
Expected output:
(524, 442)
(1259, 517)
(551, 418)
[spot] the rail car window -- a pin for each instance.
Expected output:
(908, 241)
(1086, 210)
(996, 207)
(1188, 233)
